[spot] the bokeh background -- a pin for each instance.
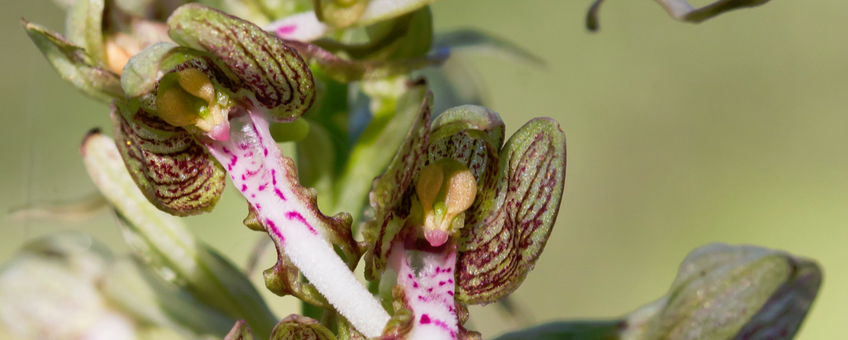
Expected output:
(734, 130)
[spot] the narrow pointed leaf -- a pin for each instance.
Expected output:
(75, 65)
(502, 248)
(296, 327)
(164, 242)
(393, 187)
(175, 173)
(273, 73)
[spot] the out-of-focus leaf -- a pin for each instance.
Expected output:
(485, 43)
(455, 83)
(139, 291)
(164, 242)
(296, 327)
(570, 330)
(368, 157)
(50, 290)
(75, 65)
(76, 210)
(681, 10)
(500, 249)
(732, 292)
(274, 74)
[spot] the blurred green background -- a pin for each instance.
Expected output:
(734, 130)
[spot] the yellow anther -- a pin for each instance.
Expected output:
(175, 107)
(189, 98)
(198, 84)
(445, 190)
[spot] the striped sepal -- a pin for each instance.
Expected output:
(498, 252)
(175, 173)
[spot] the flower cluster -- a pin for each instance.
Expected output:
(458, 215)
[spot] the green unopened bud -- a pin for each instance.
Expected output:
(731, 292)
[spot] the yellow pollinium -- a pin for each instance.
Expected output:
(445, 189)
(188, 97)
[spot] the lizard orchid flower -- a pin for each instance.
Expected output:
(459, 217)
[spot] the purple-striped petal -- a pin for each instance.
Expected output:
(393, 189)
(272, 75)
(174, 172)
(501, 249)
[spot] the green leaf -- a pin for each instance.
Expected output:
(175, 173)
(469, 40)
(164, 242)
(296, 327)
(274, 74)
(570, 330)
(732, 292)
(75, 65)
(500, 249)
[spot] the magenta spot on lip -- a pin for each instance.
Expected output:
(248, 154)
(450, 280)
(258, 207)
(243, 187)
(274, 176)
(243, 177)
(243, 146)
(273, 227)
(263, 186)
(415, 285)
(425, 319)
(287, 29)
(279, 194)
(294, 215)
(266, 151)
(441, 283)
(410, 276)
(230, 167)
(422, 298)
(450, 293)
(233, 160)
(252, 195)
(227, 151)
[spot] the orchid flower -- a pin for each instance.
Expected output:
(459, 217)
